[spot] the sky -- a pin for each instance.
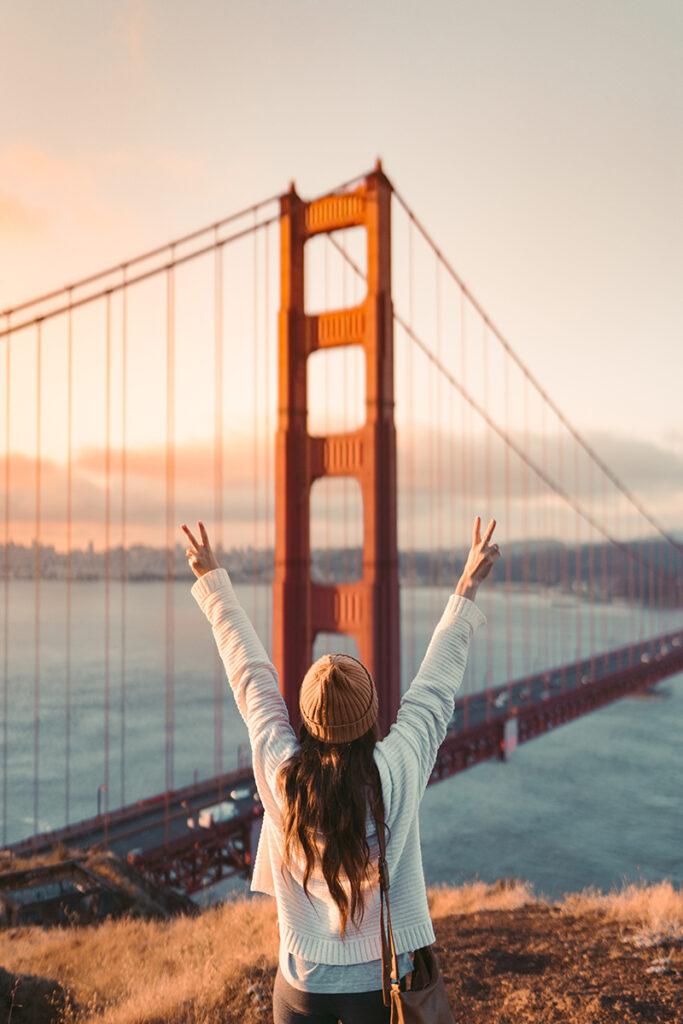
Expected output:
(541, 144)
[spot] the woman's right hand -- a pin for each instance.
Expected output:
(199, 554)
(480, 560)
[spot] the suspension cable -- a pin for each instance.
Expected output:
(5, 665)
(124, 506)
(170, 534)
(218, 500)
(411, 566)
(107, 567)
(532, 380)
(255, 436)
(36, 664)
(143, 257)
(69, 512)
(175, 261)
(526, 459)
(268, 438)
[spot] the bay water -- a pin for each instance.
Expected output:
(593, 803)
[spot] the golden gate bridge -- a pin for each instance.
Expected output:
(319, 374)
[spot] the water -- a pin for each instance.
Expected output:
(589, 804)
(593, 803)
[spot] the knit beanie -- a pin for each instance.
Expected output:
(338, 699)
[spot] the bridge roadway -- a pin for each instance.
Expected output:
(155, 835)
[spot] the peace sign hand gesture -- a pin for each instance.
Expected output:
(199, 555)
(480, 560)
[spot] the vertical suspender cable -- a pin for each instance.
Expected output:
(508, 532)
(564, 568)
(36, 674)
(578, 567)
(526, 625)
(604, 588)
(487, 476)
(357, 570)
(69, 487)
(541, 632)
(439, 431)
(632, 605)
(5, 656)
(453, 532)
(591, 578)
(410, 475)
(543, 540)
(652, 593)
(617, 560)
(434, 496)
(124, 513)
(107, 565)
(473, 481)
(255, 466)
(218, 497)
(640, 547)
(554, 563)
(326, 362)
(345, 358)
(463, 476)
(268, 437)
(451, 488)
(170, 531)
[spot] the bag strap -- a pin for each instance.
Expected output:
(390, 978)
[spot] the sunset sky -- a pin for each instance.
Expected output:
(540, 143)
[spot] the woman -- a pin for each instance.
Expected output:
(323, 792)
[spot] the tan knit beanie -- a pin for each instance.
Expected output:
(338, 699)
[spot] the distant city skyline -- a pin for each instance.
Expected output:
(631, 571)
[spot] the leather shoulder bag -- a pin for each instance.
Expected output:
(425, 1001)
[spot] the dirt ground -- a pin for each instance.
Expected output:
(539, 964)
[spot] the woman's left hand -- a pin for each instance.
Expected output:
(199, 555)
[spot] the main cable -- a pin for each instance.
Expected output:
(532, 380)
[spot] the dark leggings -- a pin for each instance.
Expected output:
(293, 1006)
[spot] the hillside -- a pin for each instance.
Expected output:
(507, 957)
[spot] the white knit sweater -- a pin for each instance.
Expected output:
(309, 928)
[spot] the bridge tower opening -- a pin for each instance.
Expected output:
(366, 609)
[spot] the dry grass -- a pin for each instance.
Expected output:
(57, 854)
(652, 914)
(129, 971)
(507, 894)
(202, 970)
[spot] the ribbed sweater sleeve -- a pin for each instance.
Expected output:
(253, 680)
(409, 751)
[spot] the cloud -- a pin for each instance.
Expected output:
(430, 464)
(481, 466)
(145, 485)
(119, 194)
(62, 198)
(674, 439)
(35, 171)
(645, 468)
(18, 219)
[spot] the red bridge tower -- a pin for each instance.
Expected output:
(368, 609)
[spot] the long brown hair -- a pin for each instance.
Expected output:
(326, 789)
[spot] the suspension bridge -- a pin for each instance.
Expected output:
(317, 377)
